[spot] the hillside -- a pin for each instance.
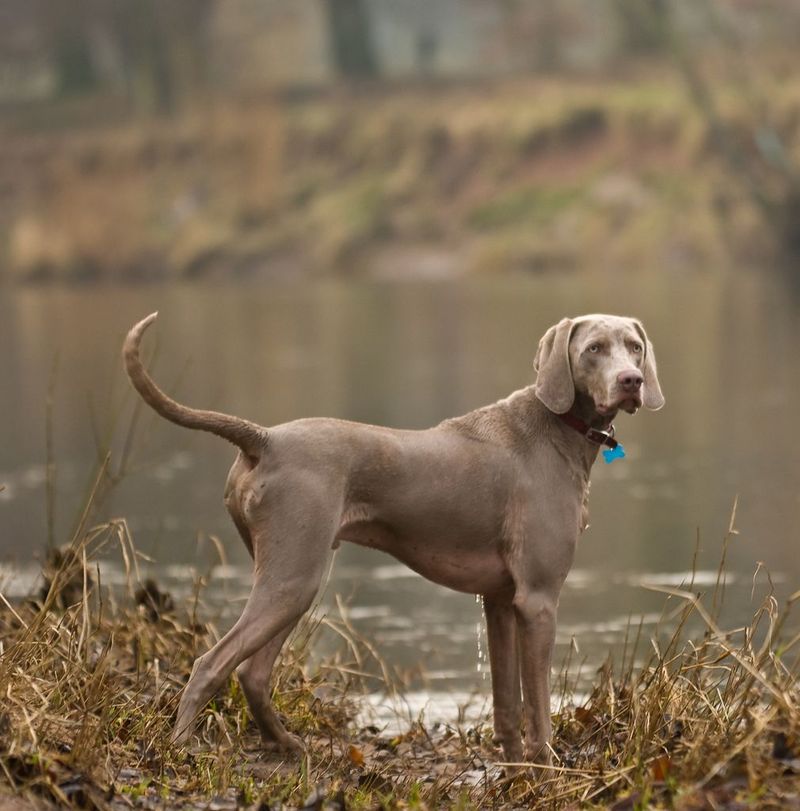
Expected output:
(433, 180)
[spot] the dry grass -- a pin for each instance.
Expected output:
(90, 679)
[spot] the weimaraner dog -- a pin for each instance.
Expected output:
(490, 503)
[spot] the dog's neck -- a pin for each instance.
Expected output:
(521, 420)
(573, 445)
(592, 430)
(583, 409)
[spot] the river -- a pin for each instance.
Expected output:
(408, 355)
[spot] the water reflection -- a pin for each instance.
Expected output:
(409, 355)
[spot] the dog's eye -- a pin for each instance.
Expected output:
(594, 348)
(637, 348)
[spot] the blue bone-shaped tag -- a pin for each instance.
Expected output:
(614, 453)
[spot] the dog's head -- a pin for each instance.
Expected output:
(605, 357)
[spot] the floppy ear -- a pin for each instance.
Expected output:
(652, 397)
(554, 386)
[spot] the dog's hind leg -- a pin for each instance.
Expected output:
(272, 609)
(232, 497)
(254, 673)
(254, 676)
(290, 557)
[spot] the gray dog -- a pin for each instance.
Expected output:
(491, 503)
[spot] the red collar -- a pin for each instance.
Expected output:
(596, 435)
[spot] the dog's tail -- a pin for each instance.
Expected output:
(248, 436)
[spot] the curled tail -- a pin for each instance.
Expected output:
(248, 436)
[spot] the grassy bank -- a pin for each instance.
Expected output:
(696, 717)
(525, 175)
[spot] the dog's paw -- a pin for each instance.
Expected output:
(512, 752)
(285, 744)
(540, 757)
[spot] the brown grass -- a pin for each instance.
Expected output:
(89, 679)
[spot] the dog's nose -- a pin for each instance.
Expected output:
(630, 380)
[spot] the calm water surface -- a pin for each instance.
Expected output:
(409, 355)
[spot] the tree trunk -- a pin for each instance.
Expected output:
(352, 49)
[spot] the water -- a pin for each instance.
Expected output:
(408, 355)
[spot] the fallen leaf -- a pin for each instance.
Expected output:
(660, 768)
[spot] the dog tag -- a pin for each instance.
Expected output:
(614, 453)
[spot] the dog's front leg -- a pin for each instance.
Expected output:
(507, 702)
(535, 611)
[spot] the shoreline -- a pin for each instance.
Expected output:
(538, 177)
(91, 681)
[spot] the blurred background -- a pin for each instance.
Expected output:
(197, 138)
(373, 209)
